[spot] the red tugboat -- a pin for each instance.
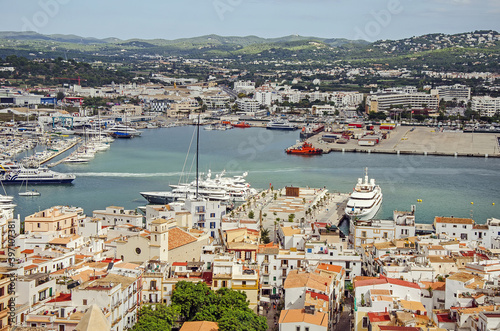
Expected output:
(305, 149)
(241, 125)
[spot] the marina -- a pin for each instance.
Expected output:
(445, 185)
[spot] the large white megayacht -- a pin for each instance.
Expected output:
(365, 200)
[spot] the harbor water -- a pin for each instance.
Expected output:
(447, 186)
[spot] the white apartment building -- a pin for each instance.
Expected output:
(455, 92)
(113, 215)
(118, 296)
(383, 101)
(267, 96)
(248, 106)
(366, 232)
(244, 86)
(486, 105)
(32, 292)
(460, 228)
(216, 102)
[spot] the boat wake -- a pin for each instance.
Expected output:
(128, 174)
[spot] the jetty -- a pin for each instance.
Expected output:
(404, 140)
(59, 152)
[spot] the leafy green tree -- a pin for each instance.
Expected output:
(251, 214)
(264, 236)
(189, 297)
(229, 308)
(161, 318)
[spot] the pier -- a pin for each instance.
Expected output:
(425, 141)
(59, 153)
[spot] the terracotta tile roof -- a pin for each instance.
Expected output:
(398, 328)
(444, 318)
(306, 279)
(436, 286)
(178, 238)
(289, 231)
(461, 277)
(199, 326)
(380, 292)
(299, 316)
(379, 317)
(28, 251)
(270, 248)
(180, 264)
(384, 280)
(412, 305)
(454, 220)
(329, 267)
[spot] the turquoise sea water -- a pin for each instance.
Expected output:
(446, 185)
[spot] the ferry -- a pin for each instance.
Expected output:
(32, 173)
(281, 125)
(365, 200)
(305, 149)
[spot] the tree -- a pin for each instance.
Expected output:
(229, 308)
(189, 297)
(60, 95)
(251, 214)
(162, 317)
(264, 236)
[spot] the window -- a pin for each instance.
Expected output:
(138, 250)
(365, 322)
(84, 302)
(297, 328)
(454, 225)
(248, 256)
(38, 226)
(244, 283)
(363, 234)
(212, 225)
(309, 250)
(2, 291)
(212, 215)
(464, 226)
(215, 283)
(385, 235)
(307, 328)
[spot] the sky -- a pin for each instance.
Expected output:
(149, 19)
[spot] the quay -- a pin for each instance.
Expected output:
(425, 141)
(59, 153)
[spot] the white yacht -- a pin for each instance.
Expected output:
(123, 131)
(280, 124)
(220, 188)
(365, 200)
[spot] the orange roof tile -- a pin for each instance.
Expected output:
(178, 238)
(299, 315)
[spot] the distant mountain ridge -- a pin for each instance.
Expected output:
(212, 38)
(478, 50)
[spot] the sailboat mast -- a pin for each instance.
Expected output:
(197, 154)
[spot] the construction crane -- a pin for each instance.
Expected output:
(78, 79)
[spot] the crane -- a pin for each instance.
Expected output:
(78, 79)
